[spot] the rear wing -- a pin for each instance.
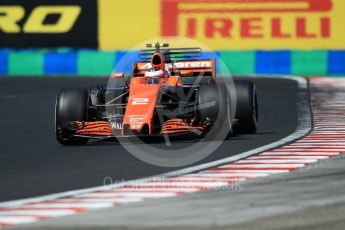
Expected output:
(190, 68)
(171, 53)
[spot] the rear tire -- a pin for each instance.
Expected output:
(71, 105)
(247, 107)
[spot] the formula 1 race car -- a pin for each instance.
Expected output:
(168, 93)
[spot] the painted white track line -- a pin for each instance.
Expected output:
(324, 142)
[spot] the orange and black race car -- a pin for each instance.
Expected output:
(169, 93)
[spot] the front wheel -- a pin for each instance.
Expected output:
(71, 105)
(214, 104)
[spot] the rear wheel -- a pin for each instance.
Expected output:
(246, 108)
(71, 105)
(214, 104)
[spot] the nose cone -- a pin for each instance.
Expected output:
(140, 108)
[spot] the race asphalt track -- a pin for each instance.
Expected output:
(32, 163)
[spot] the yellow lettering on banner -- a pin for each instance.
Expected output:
(124, 24)
(9, 17)
(67, 17)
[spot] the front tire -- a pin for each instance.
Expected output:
(71, 105)
(214, 104)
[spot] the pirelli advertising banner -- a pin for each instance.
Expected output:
(48, 23)
(225, 24)
(218, 24)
